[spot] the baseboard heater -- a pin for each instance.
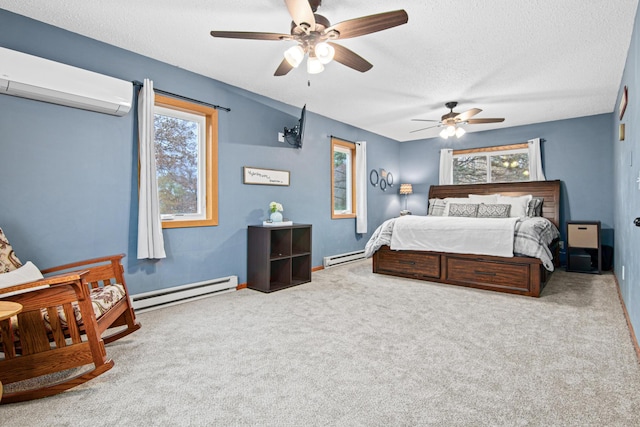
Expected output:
(334, 260)
(180, 294)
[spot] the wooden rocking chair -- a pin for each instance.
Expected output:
(61, 325)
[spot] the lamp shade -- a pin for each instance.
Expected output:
(406, 189)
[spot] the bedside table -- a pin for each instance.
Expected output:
(583, 239)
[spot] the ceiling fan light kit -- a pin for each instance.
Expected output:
(312, 32)
(452, 121)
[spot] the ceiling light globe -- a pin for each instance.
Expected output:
(324, 52)
(460, 132)
(294, 55)
(451, 130)
(444, 134)
(314, 66)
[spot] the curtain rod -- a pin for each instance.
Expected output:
(175, 95)
(342, 139)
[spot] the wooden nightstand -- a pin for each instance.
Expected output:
(583, 240)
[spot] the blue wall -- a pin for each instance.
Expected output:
(69, 188)
(626, 190)
(69, 185)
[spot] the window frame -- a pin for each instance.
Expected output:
(489, 152)
(351, 148)
(210, 192)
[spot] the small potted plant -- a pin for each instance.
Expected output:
(275, 208)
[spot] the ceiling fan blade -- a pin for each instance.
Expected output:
(418, 130)
(283, 68)
(250, 35)
(425, 120)
(481, 121)
(463, 117)
(301, 13)
(369, 24)
(350, 58)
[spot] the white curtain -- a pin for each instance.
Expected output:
(446, 166)
(535, 161)
(361, 187)
(150, 240)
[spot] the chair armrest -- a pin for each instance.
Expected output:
(74, 278)
(88, 262)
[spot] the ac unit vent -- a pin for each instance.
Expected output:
(32, 77)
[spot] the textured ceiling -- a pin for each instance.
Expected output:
(527, 61)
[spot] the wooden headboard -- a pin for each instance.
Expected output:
(548, 190)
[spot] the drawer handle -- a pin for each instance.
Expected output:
(582, 228)
(485, 273)
(408, 262)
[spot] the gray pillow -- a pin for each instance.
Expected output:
(494, 211)
(463, 209)
(535, 207)
(436, 207)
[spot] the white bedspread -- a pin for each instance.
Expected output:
(481, 236)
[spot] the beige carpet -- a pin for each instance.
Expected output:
(357, 349)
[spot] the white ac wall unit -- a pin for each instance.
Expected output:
(37, 78)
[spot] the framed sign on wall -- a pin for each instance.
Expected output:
(265, 176)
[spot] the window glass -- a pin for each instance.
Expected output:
(469, 169)
(510, 167)
(491, 165)
(342, 179)
(180, 149)
(186, 163)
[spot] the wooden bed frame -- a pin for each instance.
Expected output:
(517, 275)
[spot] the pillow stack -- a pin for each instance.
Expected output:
(487, 206)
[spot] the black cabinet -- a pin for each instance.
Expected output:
(584, 253)
(278, 257)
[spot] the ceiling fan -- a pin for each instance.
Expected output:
(452, 120)
(313, 33)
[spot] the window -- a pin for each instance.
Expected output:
(343, 186)
(507, 163)
(186, 162)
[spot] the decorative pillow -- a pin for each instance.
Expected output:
(8, 259)
(463, 209)
(25, 274)
(535, 207)
(436, 207)
(494, 211)
(450, 200)
(518, 204)
(488, 199)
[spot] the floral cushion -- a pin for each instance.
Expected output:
(8, 259)
(102, 299)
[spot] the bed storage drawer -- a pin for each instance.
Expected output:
(470, 271)
(408, 263)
